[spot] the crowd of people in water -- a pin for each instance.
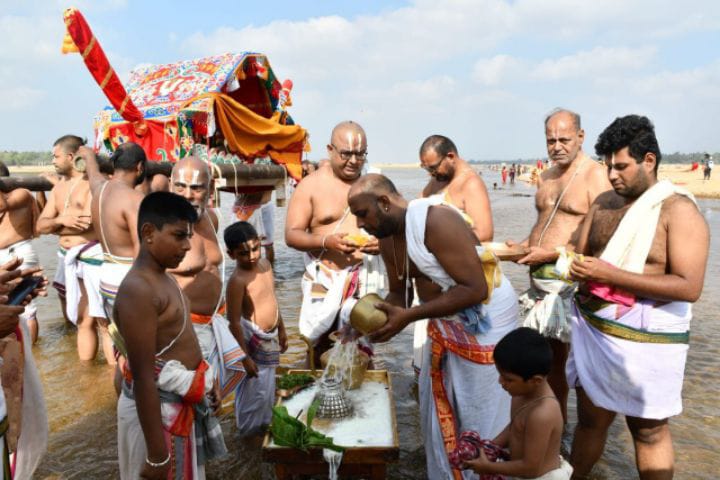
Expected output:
(615, 260)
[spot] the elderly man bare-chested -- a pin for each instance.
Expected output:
(77, 278)
(115, 205)
(319, 223)
(649, 247)
(19, 212)
(564, 195)
(432, 246)
(201, 276)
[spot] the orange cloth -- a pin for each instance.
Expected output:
(201, 319)
(255, 136)
(466, 348)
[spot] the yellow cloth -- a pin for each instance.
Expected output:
(249, 133)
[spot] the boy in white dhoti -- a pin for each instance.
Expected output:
(632, 314)
(165, 425)
(256, 323)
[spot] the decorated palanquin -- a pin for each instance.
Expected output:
(230, 105)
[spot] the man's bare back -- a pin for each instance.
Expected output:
(18, 213)
(114, 212)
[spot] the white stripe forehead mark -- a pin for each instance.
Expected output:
(195, 176)
(612, 160)
(354, 140)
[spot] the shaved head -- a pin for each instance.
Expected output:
(373, 184)
(377, 205)
(193, 164)
(343, 129)
(191, 179)
(347, 150)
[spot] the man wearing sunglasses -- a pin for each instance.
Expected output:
(320, 224)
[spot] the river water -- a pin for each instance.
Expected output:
(81, 401)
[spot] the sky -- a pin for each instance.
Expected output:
(483, 72)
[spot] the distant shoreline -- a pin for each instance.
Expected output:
(679, 174)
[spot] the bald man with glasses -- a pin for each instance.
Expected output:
(340, 260)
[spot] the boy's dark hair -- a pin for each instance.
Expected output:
(70, 143)
(238, 233)
(161, 208)
(632, 131)
(524, 352)
(127, 157)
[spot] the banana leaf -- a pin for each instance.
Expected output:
(288, 431)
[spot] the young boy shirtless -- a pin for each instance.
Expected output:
(523, 358)
(255, 321)
(168, 390)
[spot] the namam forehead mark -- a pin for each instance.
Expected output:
(190, 176)
(352, 135)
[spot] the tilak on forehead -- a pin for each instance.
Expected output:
(354, 139)
(190, 168)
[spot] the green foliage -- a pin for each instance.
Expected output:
(288, 431)
(16, 159)
(291, 380)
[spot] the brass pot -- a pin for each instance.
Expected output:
(364, 317)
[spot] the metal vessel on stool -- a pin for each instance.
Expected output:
(333, 402)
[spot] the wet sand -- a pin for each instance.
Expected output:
(81, 402)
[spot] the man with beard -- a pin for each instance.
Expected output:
(77, 278)
(649, 246)
(564, 195)
(319, 223)
(452, 182)
(433, 246)
(201, 276)
(115, 205)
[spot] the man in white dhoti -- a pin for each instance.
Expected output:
(564, 194)
(649, 246)
(470, 308)
(452, 182)
(340, 260)
(77, 278)
(201, 276)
